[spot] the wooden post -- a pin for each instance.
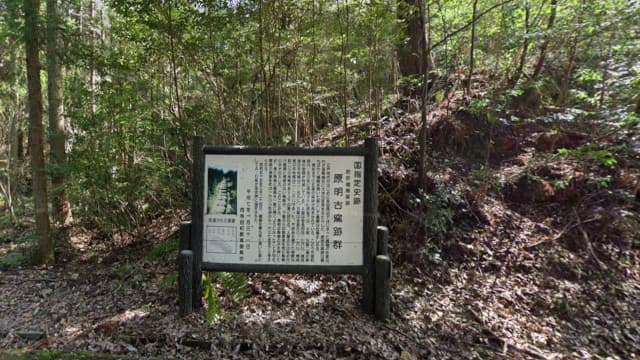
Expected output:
(185, 282)
(370, 224)
(383, 287)
(185, 235)
(197, 217)
(383, 240)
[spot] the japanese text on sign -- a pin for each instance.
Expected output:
(285, 209)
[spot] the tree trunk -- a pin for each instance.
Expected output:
(11, 165)
(422, 169)
(473, 45)
(44, 251)
(545, 43)
(412, 60)
(345, 85)
(565, 84)
(60, 201)
(175, 82)
(525, 45)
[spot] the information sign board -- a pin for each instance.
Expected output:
(283, 209)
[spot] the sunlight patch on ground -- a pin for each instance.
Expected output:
(308, 286)
(316, 299)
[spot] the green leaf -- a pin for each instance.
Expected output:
(211, 297)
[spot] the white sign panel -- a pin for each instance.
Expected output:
(283, 209)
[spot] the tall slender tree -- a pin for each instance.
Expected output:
(57, 133)
(425, 51)
(547, 36)
(44, 250)
(473, 45)
(525, 44)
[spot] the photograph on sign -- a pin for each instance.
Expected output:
(283, 209)
(222, 191)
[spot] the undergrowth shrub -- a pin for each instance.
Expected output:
(439, 209)
(108, 197)
(235, 286)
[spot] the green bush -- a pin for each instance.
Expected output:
(439, 210)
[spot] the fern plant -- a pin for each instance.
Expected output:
(235, 285)
(211, 297)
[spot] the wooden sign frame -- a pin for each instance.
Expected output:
(191, 234)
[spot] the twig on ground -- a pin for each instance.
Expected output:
(401, 333)
(570, 226)
(529, 350)
(393, 201)
(585, 236)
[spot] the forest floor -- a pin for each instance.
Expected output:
(524, 243)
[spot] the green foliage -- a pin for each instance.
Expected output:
(439, 210)
(211, 297)
(478, 107)
(602, 156)
(588, 76)
(53, 354)
(235, 284)
(21, 247)
(164, 250)
(13, 259)
(138, 86)
(630, 120)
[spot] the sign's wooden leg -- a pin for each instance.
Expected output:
(383, 276)
(197, 208)
(185, 282)
(383, 240)
(185, 235)
(370, 224)
(383, 287)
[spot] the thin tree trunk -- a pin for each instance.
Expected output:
(422, 170)
(312, 85)
(465, 26)
(605, 75)
(473, 45)
(92, 79)
(525, 45)
(345, 97)
(545, 43)
(174, 76)
(565, 85)
(263, 71)
(60, 201)
(12, 158)
(13, 154)
(44, 251)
